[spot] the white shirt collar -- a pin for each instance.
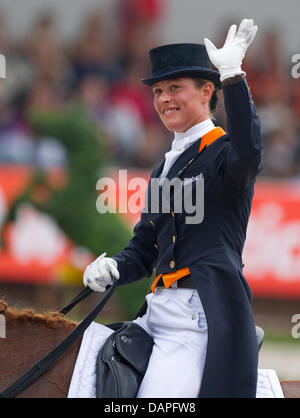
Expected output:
(182, 140)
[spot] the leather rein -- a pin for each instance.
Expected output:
(39, 368)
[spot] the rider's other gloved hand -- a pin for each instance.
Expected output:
(228, 59)
(101, 273)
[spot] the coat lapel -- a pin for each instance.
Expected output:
(158, 169)
(191, 153)
(184, 160)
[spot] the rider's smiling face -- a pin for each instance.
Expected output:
(180, 103)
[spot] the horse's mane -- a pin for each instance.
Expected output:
(50, 318)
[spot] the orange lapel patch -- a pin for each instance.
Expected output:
(210, 137)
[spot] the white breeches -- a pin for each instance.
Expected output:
(175, 319)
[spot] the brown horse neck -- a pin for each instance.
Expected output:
(290, 388)
(29, 337)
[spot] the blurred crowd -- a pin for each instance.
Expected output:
(101, 68)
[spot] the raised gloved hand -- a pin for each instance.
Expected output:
(101, 273)
(228, 60)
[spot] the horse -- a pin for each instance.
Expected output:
(30, 335)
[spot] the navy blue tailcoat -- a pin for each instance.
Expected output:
(212, 249)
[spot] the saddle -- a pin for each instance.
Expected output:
(123, 360)
(259, 336)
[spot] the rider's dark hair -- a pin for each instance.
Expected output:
(214, 98)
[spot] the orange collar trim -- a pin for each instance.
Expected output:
(211, 137)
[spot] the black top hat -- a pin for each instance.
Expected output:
(181, 60)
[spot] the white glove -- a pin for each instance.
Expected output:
(228, 60)
(100, 273)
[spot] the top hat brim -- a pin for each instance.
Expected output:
(193, 72)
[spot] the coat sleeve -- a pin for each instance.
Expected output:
(243, 160)
(137, 259)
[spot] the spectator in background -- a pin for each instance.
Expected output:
(280, 129)
(120, 125)
(267, 65)
(122, 119)
(4, 38)
(100, 70)
(43, 97)
(282, 156)
(15, 140)
(16, 146)
(93, 51)
(273, 90)
(132, 11)
(128, 94)
(138, 27)
(127, 90)
(45, 51)
(19, 73)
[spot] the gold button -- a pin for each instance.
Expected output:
(174, 238)
(172, 264)
(173, 214)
